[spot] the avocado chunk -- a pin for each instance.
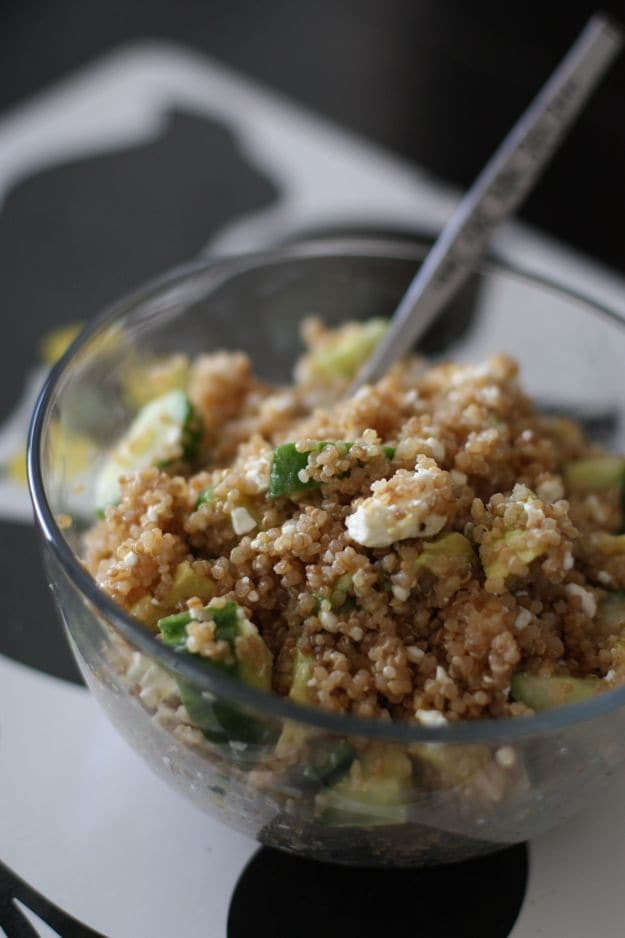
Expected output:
(547, 692)
(302, 672)
(186, 583)
(376, 791)
(595, 474)
(250, 661)
(448, 545)
(611, 612)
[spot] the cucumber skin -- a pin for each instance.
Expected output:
(220, 722)
(288, 462)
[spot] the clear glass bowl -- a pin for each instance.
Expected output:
(475, 786)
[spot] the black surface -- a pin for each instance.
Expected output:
(437, 81)
(283, 896)
(31, 630)
(13, 922)
(77, 236)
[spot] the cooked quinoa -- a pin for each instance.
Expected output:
(439, 539)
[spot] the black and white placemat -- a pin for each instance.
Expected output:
(148, 157)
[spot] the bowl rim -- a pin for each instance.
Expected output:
(270, 705)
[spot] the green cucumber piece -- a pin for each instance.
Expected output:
(206, 496)
(222, 722)
(348, 350)
(165, 431)
(326, 764)
(288, 462)
(546, 693)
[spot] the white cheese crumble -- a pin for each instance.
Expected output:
(506, 757)
(458, 478)
(431, 718)
(523, 619)
(436, 448)
(242, 521)
(130, 559)
(257, 472)
(551, 490)
(155, 685)
(587, 600)
(401, 593)
(604, 577)
(401, 507)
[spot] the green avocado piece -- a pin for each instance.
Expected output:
(448, 545)
(611, 612)
(378, 793)
(594, 474)
(547, 692)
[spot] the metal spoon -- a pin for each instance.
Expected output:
(497, 192)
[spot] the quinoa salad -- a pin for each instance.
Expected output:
(428, 550)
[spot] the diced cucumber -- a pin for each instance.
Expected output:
(326, 763)
(594, 474)
(165, 431)
(250, 662)
(448, 545)
(342, 356)
(545, 693)
(288, 462)
(377, 793)
(205, 497)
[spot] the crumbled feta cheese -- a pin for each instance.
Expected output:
(431, 718)
(328, 620)
(506, 757)
(523, 619)
(401, 593)
(257, 472)
(155, 685)
(436, 448)
(402, 507)
(151, 514)
(587, 600)
(414, 653)
(130, 559)
(551, 490)
(242, 520)
(457, 477)
(534, 513)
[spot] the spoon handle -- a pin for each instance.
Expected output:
(497, 192)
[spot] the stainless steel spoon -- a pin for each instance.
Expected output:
(497, 192)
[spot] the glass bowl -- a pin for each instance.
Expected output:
(471, 787)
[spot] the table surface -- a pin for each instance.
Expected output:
(173, 155)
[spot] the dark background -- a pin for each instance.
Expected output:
(437, 81)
